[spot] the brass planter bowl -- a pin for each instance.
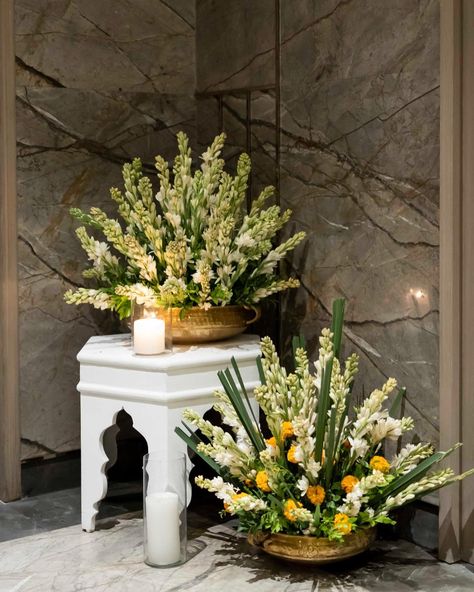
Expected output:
(197, 325)
(313, 550)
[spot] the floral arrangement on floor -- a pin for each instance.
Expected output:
(192, 244)
(321, 470)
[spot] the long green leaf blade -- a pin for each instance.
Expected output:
(242, 386)
(240, 410)
(261, 373)
(337, 324)
(323, 404)
(397, 401)
(192, 444)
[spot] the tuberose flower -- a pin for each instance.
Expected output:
(379, 463)
(316, 494)
(349, 482)
(261, 480)
(342, 523)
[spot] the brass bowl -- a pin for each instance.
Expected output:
(197, 325)
(313, 550)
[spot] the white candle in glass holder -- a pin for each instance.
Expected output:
(149, 336)
(162, 528)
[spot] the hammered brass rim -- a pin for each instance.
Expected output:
(197, 325)
(313, 550)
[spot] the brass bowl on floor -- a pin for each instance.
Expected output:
(313, 550)
(197, 325)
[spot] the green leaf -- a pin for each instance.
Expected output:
(235, 398)
(330, 446)
(337, 324)
(396, 403)
(261, 372)
(235, 366)
(323, 405)
(192, 444)
(324, 398)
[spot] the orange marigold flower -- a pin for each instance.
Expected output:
(379, 463)
(349, 482)
(342, 523)
(271, 441)
(291, 454)
(262, 481)
(287, 430)
(288, 508)
(316, 494)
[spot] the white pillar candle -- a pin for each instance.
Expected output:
(162, 528)
(149, 336)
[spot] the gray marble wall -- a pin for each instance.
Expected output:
(98, 82)
(359, 167)
(359, 100)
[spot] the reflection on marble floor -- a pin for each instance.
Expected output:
(110, 559)
(58, 509)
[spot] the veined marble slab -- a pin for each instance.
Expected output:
(69, 560)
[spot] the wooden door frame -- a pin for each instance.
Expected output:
(10, 481)
(456, 518)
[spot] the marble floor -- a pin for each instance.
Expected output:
(110, 560)
(58, 509)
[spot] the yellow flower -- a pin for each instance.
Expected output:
(288, 508)
(262, 481)
(248, 482)
(316, 494)
(379, 463)
(287, 430)
(342, 523)
(349, 482)
(291, 454)
(238, 496)
(271, 441)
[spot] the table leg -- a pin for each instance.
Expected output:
(96, 416)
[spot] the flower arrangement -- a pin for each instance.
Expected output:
(321, 469)
(192, 244)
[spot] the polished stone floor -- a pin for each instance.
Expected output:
(110, 559)
(45, 550)
(49, 511)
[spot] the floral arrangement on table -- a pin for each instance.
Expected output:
(321, 470)
(193, 244)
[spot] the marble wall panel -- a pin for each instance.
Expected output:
(359, 167)
(97, 84)
(236, 44)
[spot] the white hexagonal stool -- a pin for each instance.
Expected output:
(154, 390)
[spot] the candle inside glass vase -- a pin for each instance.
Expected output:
(162, 528)
(149, 336)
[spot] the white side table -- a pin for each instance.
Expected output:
(154, 390)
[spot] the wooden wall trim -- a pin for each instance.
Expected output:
(10, 482)
(456, 527)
